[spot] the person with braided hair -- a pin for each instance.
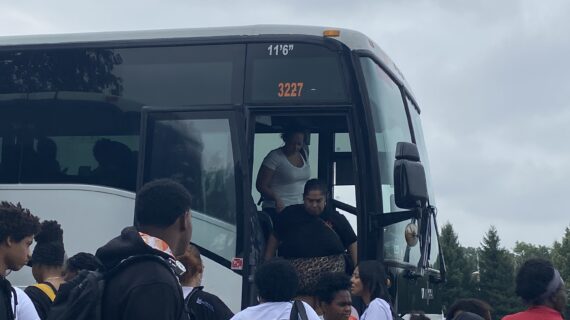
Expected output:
(47, 267)
(17, 229)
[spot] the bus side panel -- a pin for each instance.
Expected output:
(91, 216)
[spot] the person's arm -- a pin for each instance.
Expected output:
(264, 177)
(272, 244)
(353, 250)
(153, 301)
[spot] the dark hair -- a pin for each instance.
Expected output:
(17, 222)
(49, 249)
(83, 261)
(160, 202)
(468, 316)
(290, 131)
(276, 280)
(418, 315)
(532, 280)
(373, 277)
(315, 185)
(329, 284)
(192, 262)
(475, 306)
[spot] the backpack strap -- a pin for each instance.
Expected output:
(190, 300)
(138, 258)
(298, 310)
(47, 289)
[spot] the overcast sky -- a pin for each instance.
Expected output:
(491, 78)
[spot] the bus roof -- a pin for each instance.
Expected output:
(354, 40)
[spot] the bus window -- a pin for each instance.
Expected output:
(100, 160)
(199, 154)
(9, 164)
(165, 76)
(184, 75)
(69, 137)
(391, 126)
(420, 141)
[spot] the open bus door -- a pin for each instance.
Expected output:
(203, 150)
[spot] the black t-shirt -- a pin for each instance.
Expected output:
(41, 301)
(304, 235)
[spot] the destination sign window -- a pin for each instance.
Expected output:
(283, 72)
(155, 76)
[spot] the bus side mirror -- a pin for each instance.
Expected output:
(410, 186)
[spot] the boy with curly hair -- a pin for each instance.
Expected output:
(17, 229)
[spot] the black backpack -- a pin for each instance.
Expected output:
(190, 302)
(81, 298)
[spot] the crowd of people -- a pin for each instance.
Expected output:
(151, 271)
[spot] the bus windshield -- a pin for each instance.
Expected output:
(390, 127)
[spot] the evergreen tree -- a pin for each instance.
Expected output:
(496, 284)
(524, 251)
(472, 271)
(458, 270)
(561, 260)
(561, 255)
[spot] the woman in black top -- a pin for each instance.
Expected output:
(312, 238)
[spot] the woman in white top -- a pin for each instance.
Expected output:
(369, 282)
(283, 173)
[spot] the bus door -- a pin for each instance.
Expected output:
(202, 149)
(330, 147)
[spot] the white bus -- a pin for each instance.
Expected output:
(86, 119)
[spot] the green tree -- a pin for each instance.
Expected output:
(472, 259)
(524, 251)
(561, 260)
(458, 284)
(496, 284)
(561, 255)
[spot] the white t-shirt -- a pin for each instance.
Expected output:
(272, 311)
(288, 181)
(25, 309)
(186, 291)
(378, 309)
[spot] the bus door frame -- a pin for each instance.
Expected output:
(358, 143)
(243, 215)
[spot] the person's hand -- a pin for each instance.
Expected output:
(279, 206)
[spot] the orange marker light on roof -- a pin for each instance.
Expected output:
(331, 33)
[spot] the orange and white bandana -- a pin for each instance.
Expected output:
(156, 243)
